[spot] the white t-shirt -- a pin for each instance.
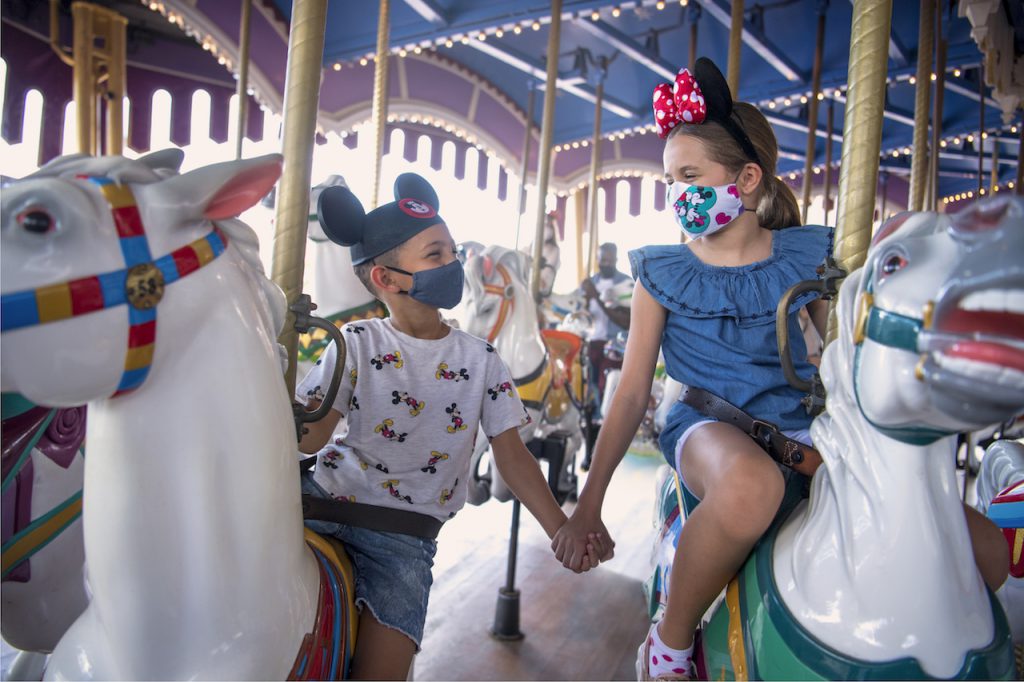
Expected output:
(621, 287)
(413, 407)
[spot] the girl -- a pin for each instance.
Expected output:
(710, 305)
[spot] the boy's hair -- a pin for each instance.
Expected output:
(388, 259)
(776, 207)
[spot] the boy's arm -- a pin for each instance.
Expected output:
(521, 471)
(318, 433)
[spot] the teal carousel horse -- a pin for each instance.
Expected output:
(873, 576)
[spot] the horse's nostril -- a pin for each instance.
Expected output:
(37, 222)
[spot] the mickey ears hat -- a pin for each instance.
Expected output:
(370, 234)
(696, 98)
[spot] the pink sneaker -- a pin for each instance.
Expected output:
(643, 663)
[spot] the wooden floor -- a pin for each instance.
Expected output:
(576, 627)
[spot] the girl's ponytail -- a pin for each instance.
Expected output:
(777, 208)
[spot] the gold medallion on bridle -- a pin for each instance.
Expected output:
(144, 286)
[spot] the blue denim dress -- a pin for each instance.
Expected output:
(720, 330)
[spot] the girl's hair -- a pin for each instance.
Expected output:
(776, 207)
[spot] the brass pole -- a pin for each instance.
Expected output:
(116, 77)
(693, 10)
(581, 215)
(862, 136)
(595, 167)
(829, 125)
(379, 113)
(547, 129)
(981, 125)
(84, 79)
(1018, 185)
(812, 113)
(735, 44)
(301, 100)
(243, 76)
(940, 86)
(526, 158)
(922, 97)
(55, 34)
(994, 175)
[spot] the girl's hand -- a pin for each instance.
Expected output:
(582, 541)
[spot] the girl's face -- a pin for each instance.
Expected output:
(686, 161)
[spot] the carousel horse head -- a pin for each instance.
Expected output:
(497, 297)
(99, 242)
(938, 326)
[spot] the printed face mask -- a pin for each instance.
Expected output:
(439, 287)
(700, 210)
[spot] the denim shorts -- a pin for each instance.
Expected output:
(393, 570)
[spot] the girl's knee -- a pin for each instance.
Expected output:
(748, 498)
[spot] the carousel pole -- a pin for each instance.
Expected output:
(116, 77)
(526, 158)
(922, 97)
(243, 75)
(812, 111)
(301, 100)
(1018, 185)
(595, 163)
(546, 133)
(981, 126)
(829, 125)
(735, 44)
(84, 78)
(693, 14)
(581, 225)
(379, 113)
(940, 86)
(862, 136)
(994, 174)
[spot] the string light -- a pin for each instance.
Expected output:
(616, 11)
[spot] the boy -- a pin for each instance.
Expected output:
(415, 391)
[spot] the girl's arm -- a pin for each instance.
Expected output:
(318, 432)
(818, 310)
(629, 404)
(522, 473)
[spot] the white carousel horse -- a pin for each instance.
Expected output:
(550, 255)
(498, 307)
(193, 524)
(44, 587)
(874, 576)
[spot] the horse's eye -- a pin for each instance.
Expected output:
(893, 263)
(36, 221)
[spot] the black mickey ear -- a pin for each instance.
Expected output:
(715, 89)
(341, 215)
(412, 186)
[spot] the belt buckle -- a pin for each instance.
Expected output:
(762, 430)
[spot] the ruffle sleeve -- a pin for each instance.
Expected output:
(685, 285)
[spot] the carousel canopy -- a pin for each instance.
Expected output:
(463, 70)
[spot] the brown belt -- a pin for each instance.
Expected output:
(781, 448)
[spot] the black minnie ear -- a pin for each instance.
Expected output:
(412, 186)
(715, 89)
(341, 215)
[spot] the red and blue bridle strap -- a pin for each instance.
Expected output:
(64, 300)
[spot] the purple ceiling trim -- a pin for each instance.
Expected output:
(436, 155)
(634, 196)
(387, 139)
(352, 141)
(409, 152)
(481, 172)
(502, 184)
(220, 104)
(501, 124)
(140, 120)
(269, 53)
(320, 139)
(660, 189)
(460, 159)
(608, 185)
(181, 115)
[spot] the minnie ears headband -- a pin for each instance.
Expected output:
(370, 234)
(696, 98)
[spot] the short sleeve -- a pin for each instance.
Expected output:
(315, 384)
(502, 409)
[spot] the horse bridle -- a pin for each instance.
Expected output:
(507, 293)
(140, 284)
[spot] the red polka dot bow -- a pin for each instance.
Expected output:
(681, 102)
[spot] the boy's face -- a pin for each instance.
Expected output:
(431, 248)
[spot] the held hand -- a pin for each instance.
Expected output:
(582, 542)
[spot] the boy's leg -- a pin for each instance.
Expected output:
(741, 489)
(991, 553)
(382, 653)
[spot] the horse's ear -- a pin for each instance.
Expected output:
(165, 162)
(222, 190)
(488, 266)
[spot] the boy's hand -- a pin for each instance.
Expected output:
(582, 542)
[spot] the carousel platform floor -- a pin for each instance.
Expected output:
(576, 627)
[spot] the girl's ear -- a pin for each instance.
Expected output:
(750, 178)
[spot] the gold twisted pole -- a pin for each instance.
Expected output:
(301, 100)
(862, 136)
(243, 75)
(595, 164)
(735, 44)
(922, 102)
(547, 128)
(379, 114)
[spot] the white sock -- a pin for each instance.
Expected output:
(668, 661)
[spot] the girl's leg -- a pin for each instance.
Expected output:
(741, 489)
(382, 653)
(991, 553)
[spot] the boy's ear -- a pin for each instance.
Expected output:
(382, 279)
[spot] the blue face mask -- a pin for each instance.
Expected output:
(437, 287)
